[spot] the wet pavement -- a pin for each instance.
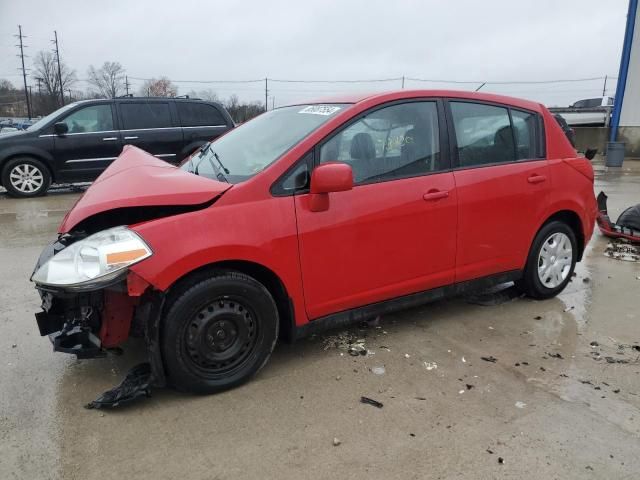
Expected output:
(550, 405)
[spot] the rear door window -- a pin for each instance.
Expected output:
(490, 134)
(483, 133)
(136, 116)
(199, 115)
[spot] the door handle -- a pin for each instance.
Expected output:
(130, 138)
(432, 195)
(537, 178)
(109, 139)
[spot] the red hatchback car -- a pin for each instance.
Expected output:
(313, 216)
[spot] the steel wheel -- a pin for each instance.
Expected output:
(26, 178)
(555, 260)
(219, 329)
(220, 336)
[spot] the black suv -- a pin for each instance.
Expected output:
(78, 141)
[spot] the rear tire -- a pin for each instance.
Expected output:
(26, 177)
(551, 261)
(218, 332)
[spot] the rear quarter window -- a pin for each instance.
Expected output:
(199, 115)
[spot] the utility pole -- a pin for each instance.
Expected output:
(126, 84)
(266, 94)
(604, 88)
(59, 70)
(273, 103)
(24, 72)
(403, 82)
(39, 80)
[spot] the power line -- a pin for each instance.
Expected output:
(24, 72)
(203, 81)
(373, 80)
(510, 82)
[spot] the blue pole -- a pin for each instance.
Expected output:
(624, 69)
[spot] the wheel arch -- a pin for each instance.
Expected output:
(37, 155)
(259, 272)
(572, 219)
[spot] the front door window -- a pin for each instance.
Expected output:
(96, 118)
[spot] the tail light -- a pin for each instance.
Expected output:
(582, 165)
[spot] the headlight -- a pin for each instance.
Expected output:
(98, 258)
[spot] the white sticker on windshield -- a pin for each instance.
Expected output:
(320, 109)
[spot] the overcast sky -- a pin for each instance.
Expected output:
(464, 40)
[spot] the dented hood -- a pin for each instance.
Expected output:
(138, 179)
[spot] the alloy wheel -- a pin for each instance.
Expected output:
(26, 178)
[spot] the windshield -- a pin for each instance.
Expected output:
(253, 146)
(44, 120)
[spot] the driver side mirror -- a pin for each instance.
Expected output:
(61, 128)
(327, 178)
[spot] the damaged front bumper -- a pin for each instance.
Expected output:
(89, 323)
(86, 324)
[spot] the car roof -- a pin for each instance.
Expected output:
(146, 99)
(388, 96)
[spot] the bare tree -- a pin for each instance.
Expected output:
(158, 87)
(241, 112)
(108, 80)
(208, 94)
(12, 103)
(5, 85)
(46, 69)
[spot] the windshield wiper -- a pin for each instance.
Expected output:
(219, 175)
(224, 169)
(203, 154)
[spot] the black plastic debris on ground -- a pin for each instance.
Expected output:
(137, 383)
(371, 401)
(490, 358)
(555, 355)
(622, 250)
(616, 360)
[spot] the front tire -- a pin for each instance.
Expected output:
(551, 261)
(26, 177)
(218, 332)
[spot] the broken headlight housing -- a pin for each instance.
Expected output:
(94, 260)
